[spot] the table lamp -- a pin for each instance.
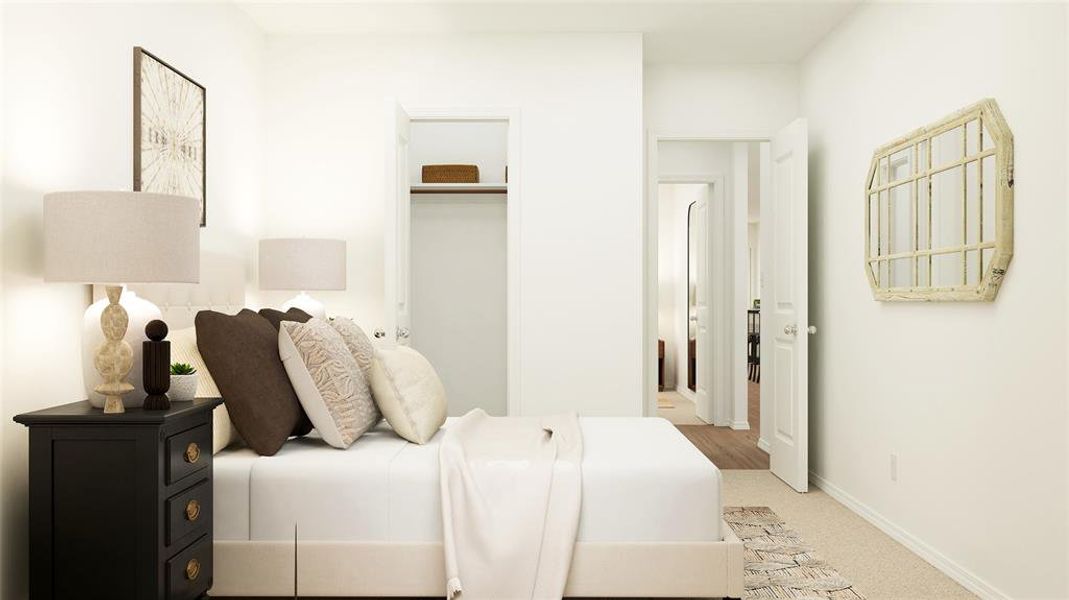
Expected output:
(115, 238)
(302, 264)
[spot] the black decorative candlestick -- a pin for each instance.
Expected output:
(156, 366)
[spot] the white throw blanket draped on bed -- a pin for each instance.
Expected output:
(511, 494)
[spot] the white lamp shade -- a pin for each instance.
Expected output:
(121, 237)
(302, 264)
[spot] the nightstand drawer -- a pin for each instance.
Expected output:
(189, 511)
(188, 452)
(189, 573)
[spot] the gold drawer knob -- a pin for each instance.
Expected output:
(192, 510)
(192, 452)
(192, 569)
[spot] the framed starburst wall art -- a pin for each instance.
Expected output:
(169, 130)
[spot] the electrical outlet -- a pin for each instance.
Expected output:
(894, 467)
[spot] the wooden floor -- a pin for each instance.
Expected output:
(726, 447)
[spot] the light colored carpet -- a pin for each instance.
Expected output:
(680, 413)
(665, 400)
(879, 567)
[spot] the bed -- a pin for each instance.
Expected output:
(367, 520)
(319, 522)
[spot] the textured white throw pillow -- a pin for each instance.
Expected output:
(330, 385)
(408, 392)
(357, 341)
(184, 350)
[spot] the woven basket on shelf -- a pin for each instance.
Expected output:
(450, 174)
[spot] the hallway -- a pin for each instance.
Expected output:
(725, 447)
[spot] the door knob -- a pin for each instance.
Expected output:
(402, 333)
(379, 333)
(812, 329)
(791, 329)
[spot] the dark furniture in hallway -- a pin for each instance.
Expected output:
(692, 365)
(753, 344)
(660, 365)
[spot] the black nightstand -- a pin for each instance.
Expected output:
(120, 505)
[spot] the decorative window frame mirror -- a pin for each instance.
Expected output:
(939, 210)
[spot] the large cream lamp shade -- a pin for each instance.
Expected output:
(302, 264)
(115, 238)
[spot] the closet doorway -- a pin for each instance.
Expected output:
(451, 251)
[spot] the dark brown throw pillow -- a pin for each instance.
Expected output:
(277, 316)
(241, 353)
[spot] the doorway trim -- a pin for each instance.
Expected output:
(650, 244)
(510, 115)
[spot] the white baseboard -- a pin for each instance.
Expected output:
(741, 425)
(763, 444)
(937, 559)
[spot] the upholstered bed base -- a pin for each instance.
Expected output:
(626, 569)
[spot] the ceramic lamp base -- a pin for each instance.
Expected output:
(139, 312)
(114, 357)
(113, 405)
(308, 304)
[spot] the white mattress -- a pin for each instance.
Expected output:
(642, 482)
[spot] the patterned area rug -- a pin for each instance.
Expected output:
(779, 564)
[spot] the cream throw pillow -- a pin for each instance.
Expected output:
(184, 350)
(330, 385)
(408, 392)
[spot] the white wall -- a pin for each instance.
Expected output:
(671, 284)
(753, 220)
(3, 412)
(753, 242)
(720, 99)
(480, 143)
(580, 103)
(739, 253)
(68, 125)
(975, 404)
(459, 296)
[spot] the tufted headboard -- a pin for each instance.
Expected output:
(221, 288)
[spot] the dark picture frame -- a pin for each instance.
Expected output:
(192, 99)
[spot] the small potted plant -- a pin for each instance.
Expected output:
(183, 382)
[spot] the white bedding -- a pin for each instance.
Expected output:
(642, 482)
(511, 493)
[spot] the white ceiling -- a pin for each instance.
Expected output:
(710, 31)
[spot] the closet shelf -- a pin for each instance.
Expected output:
(459, 188)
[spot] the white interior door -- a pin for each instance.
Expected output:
(397, 224)
(785, 310)
(699, 317)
